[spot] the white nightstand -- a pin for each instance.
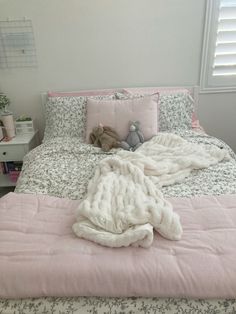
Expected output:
(15, 150)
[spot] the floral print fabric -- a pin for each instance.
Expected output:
(83, 305)
(66, 116)
(176, 110)
(62, 167)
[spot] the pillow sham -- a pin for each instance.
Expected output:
(176, 112)
(66, 116)
(176, 109)
(118, 113)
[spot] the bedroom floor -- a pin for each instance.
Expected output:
(5, 190)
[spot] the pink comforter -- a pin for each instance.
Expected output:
(40, 256)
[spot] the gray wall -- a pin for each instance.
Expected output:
(86, 44)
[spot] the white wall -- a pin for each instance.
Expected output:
(217, 114)
(86, 44)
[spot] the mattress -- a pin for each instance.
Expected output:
(57, 167)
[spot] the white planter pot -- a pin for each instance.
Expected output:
(9, 125)
(1, 133)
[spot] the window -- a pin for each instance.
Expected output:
(218, 70)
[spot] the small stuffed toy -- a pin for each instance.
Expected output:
(135, 137)
(104, 137)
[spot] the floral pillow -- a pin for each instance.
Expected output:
(176, 110)
(66, 116)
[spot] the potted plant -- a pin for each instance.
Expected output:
(4, 103)
(23, 118)
(7, 116)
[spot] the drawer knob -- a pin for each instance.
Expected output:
(4, 153)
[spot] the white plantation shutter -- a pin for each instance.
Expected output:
(225, 49)
(219, 49)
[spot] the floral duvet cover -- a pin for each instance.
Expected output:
(62, 167)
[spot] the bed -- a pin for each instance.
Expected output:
(61, 167)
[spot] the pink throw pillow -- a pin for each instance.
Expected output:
(118, 113)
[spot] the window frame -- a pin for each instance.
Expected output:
(208, 82)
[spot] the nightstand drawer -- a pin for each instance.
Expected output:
(12, 153)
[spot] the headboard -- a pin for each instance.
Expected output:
(194, 91)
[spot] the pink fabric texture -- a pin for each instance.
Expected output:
(152, 90)
(40, 255)
(118, 113)
(166, 91)
(101, 92)
(196, 124)
(97, 92)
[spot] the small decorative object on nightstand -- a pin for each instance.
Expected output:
(7, 116)
(12, 153)
(24, 124)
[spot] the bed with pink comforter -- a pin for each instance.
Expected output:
(41, 258)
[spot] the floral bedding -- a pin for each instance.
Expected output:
(66, 116)
(83, 305)
(63, 168)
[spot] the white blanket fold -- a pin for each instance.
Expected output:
(124, 202)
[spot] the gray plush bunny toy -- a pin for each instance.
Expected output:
(135, 137)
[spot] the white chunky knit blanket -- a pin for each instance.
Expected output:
(124, 202)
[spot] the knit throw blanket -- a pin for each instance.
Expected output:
(124, 202)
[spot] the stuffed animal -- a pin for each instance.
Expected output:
(135, 137)
(104, 137)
